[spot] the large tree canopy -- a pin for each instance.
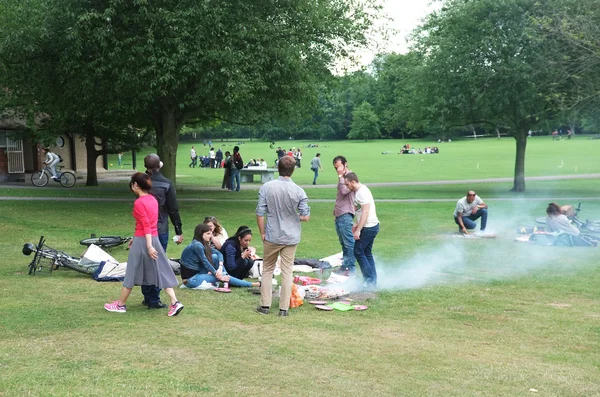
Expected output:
(233, 60)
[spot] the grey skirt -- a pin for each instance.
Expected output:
(143, 270)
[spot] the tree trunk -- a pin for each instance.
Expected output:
(167, 140)
(91, 154)
(521, 140)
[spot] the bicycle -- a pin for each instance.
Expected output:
(105, 241)
(587, 226)
(45, 256)
(41, 178)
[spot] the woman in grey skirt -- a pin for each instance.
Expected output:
(146, 265)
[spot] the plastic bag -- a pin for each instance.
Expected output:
(295, 298)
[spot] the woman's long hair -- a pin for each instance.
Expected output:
(242, 232)
(553, 209)
(198, 232)
(215, 221)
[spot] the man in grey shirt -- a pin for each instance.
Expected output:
(315, 166)
(285, 205)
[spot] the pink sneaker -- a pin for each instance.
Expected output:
(175, 309)
(115, 307)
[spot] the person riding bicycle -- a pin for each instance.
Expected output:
(52, 159)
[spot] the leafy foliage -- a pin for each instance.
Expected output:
(365, 123)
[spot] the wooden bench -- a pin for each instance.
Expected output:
(266, 174)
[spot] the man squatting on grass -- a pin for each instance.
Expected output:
(344, 217)
(164, 192)
(285, 205)
(468, 210)
(365, 229)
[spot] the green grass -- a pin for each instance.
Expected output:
(484, 158)
(456, 317)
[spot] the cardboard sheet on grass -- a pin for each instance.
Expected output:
(109, 269)
(301, 265)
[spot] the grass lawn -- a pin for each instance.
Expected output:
(484, 158)
(454, 317)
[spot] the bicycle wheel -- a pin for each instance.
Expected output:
(593, 226)
(541, 220)
(67, 179)
(105, 241)
(39, 178)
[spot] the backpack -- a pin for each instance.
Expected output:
(60, 159)
(238, 162)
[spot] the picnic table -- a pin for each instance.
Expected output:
(266, 174)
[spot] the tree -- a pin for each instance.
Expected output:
(365, 123)
(234, 60)
(485, 63)
(45, 79)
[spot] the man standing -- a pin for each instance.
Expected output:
(164, 192)
(219, 158)
(236, 165)
(344, 217)
(194, 157)
(212, 156)
(468, 210)
(285, 205)
(365, 230)
(315, 165)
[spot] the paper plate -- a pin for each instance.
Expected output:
(341, 306)
(360, 307)
(324, 307)
(222, 290)
(317, 302)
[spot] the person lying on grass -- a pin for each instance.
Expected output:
(198, 262)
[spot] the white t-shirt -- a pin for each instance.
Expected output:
(363, 196)
(222, 236)
(465, 208)
(193, 153)
(211, 154)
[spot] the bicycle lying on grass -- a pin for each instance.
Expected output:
(41, 178)
(46, 257)
(588, 226)
(105, 241)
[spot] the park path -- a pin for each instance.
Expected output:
(254, 186)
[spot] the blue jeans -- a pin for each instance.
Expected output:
(152, 293)
(469, 221)
(235, 176)
(363, 253)
(316, 171)
(197, 279)
(343, 228)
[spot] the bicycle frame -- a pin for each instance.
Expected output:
(56, 258)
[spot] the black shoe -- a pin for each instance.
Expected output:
(157, 305)
(283, 313)
(262, 310)
(314, 183)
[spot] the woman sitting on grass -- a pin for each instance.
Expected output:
(146, 265)
(219, 234)
(238, 254)
(198, 262)
(556, 221)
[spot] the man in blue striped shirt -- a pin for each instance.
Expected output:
(285, 205)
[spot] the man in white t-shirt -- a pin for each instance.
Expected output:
(365, 229)
(468, 210)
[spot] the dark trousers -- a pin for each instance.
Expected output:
(241, 272)
(152, 292)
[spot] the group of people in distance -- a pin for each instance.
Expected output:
(213, 160)
(212, 256)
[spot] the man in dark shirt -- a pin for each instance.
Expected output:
(164, 192)
(219, 158)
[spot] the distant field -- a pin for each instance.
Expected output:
(465, 159)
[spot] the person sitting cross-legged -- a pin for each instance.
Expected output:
(198, 262)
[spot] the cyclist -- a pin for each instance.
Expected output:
(51, 160)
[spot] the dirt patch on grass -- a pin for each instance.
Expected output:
(362, 296)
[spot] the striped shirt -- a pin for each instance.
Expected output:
(281, 201)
